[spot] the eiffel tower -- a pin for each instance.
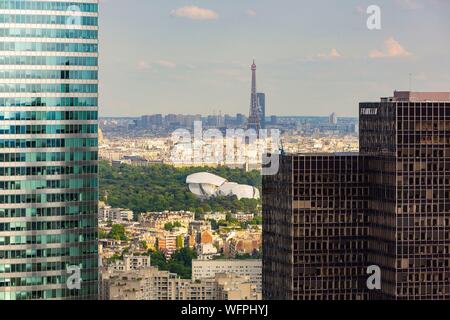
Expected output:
(253, 120)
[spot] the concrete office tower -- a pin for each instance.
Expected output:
(315, 228)
(329, 217)
(48, 149)
(407, 140)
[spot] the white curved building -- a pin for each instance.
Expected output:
(206, 185)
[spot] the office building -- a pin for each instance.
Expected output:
(48, 142)
(407, 139)
(328, 217)
(315, 229)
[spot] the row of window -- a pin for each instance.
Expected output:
(30, 185)
(53, 102)
(64, 238)
(49, 129)
(50, 143)
(48, 33)
(48, 170)
(47, 225)
(49, 61)
(49, 74)
(48, 6)
(49, 198)
(46, 19)
(39, 281)
(48, 115)
(89, 291)
(48, 156)
(80, 210)
(40, 253)
(38, 267)
(52, 88)
(48, 46)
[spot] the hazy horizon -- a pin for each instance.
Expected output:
(313, 57)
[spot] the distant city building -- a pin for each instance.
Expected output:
(273, 120)
(241, 119)
(333, 118)
(216, 216)
(158, 220)
(168, 243)
(328, 217)
(243, 243)
(152, 284)
(131, 262)
(243, 216)
(206, 250)
(262, 108)
(115, 214)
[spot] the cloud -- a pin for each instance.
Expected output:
(360, 10)
(251, 13)
(144, 65)
(392, 49)
(195, 13)
(334, 54)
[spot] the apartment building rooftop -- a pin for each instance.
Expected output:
(415, 96)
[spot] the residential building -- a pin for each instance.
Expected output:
(158, 220)
(243, 216)
(131, 262)
(241, 243)
(251, 268)
(107, 213)
(153, 284)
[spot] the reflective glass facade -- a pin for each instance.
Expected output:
(48, 149)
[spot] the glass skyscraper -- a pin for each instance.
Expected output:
(48, 149)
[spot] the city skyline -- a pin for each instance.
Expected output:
(173, 197)
(174, 56)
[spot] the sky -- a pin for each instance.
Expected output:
(314, 57)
